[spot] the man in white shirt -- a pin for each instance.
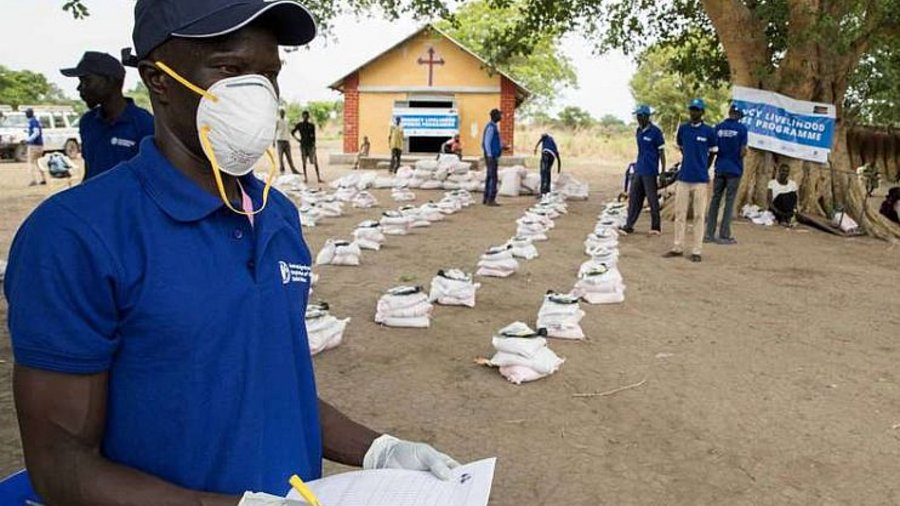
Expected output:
(782, 196)
(283, 143)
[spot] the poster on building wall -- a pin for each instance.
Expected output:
(422, 122)
(787, 126)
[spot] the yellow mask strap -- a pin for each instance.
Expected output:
(187, 84)
(207, 146)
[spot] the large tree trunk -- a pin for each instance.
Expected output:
(811, 70)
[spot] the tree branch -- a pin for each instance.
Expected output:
(743, 37)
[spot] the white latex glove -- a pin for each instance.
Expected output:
(255, 499)
(388, 452)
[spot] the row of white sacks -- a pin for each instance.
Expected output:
(599, 279)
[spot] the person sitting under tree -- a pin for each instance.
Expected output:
(549, 154)
(307, 139)
(781, 198)
(890, 208)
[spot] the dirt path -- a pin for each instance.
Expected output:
(771, 368)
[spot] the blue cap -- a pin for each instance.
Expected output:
(99, 64)
(697, 103)
(737, 109)
(155, 21)
(643, 110)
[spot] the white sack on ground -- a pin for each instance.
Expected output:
(523, 247)
(309, 216)
(543, 210)
(464, 197)
(368, 236)
(522, 354)
(404, 307)
(364, 200)
(432, 185)
(561, 315)
(336, 252)
(289, 182)
(600, 285)
(414, 215)
(428, 165)
(541, 216)
(531, 184)
(511, 180)
(449, 205)
(384, 182)
(405, 172)
(572, 189)
(431, 212)
(497, 262)
(323, 330)
(604, 255)
(606, 238)
(402, 195)
(453, 287)
(532, 229)
(330, 207)
(345, 193)
(394, 223)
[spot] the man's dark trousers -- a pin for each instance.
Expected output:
(546, 170)
(490, 183)
(727, 184)
(396, 155)
(643, 187)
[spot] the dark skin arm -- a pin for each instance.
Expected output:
(343, 440)
(558, 163)
(294, 132)
(62, 421)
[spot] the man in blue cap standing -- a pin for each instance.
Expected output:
(651, 156)
(113, 128)
(698, 144)
(731, 135)
(157, 313)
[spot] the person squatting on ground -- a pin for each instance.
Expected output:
(492, 146)
(731, 136)
(395, 142)
(890, 208)
(698, 144)
(651, 146)
(283, 143)
(136, 393)
(113, 128)
(453, 146)
(781, 197)
(35, 147)
(305, 133)
(549, 154)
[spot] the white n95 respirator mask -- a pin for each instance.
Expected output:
(236, 125)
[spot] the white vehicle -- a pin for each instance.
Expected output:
(60, 130)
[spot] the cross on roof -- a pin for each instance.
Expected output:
(431, 62)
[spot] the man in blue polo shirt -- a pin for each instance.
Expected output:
(493, 149)
(112, 129)
(157, 312)
(549, 155)
(651, 156)
(698, 144)
(732, 141)
(35, 145)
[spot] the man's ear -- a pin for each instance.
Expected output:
(156, 81)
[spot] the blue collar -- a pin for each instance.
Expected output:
(179, 197)
(127, 114)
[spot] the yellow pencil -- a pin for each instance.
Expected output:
(304, 491)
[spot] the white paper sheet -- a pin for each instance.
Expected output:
(470, 486)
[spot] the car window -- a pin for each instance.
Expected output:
(45, 120)
(73, 119)
(59, 120)
(14, 121)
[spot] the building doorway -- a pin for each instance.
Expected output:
(428, 121)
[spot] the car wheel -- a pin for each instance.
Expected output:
(21, 153)
(72, 149)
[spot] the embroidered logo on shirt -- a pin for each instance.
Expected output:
(701, 139)
(294, 273)
(728, 133)
(648, 139)
(125, 143)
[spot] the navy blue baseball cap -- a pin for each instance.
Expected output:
(100, 64)
(643, 110)
(156, 21)
(736, 109)
(697, 103)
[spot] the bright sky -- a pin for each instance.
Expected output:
(44, 38)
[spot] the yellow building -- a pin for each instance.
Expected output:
(436, 86)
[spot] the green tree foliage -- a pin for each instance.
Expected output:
(874, 95)
(18, 87)
(140, 95)
(575, 117)
(545, 70)
(320, 112)
(660, 84)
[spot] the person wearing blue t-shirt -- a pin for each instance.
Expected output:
(35, 144)
(549, 155)
(731, 135)
(157, 312)
(651, 156)
(112, 129)
(492, 146)
(698, 144)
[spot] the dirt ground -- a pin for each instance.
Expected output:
(771, 368)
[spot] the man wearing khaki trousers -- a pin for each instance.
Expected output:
(698, 144)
